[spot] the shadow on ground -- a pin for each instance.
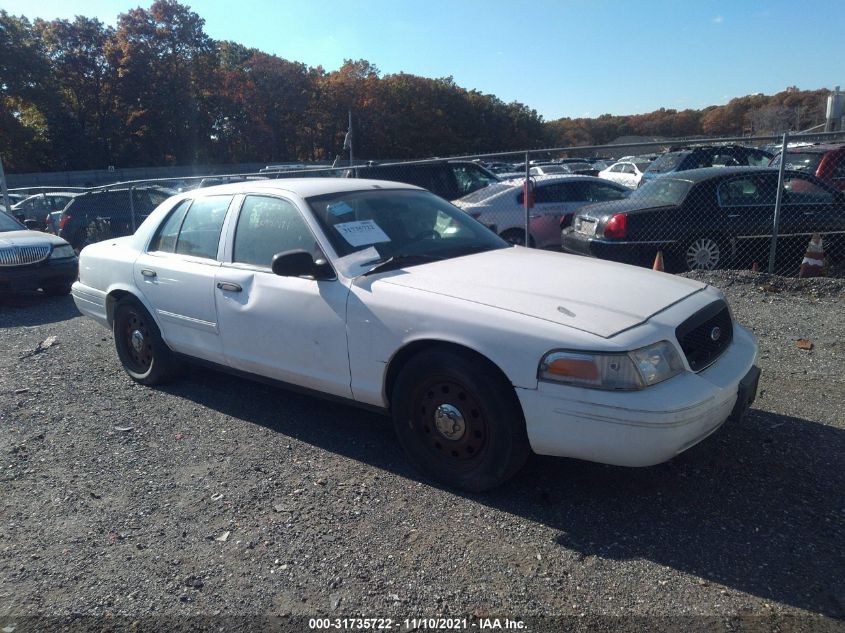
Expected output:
(34, 308)
(758, 507)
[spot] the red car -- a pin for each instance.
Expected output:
(825, 161)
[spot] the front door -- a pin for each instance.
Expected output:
(291, 329)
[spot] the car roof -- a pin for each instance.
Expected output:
(517, 182)
(819, 148)
(302, 187)
(705, 173)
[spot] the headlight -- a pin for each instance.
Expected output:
(635, 370)
(62, 252)
(657, 362)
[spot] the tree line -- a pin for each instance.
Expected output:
(157, 90)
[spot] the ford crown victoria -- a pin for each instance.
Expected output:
(387, 296)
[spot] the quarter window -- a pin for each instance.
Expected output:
(267, 226)
(200, 234)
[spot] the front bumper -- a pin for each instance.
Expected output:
(50, 272)
(646, 427)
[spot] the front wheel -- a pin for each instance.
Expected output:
(140, 348)
(459, 421)
(516, 237)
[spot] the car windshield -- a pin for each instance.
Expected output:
(554, 169)
(396, 223)
(667, 162)
(808, 162)
(642, 166)
(663, 191)
(9, 224)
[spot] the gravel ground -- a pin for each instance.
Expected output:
(216, 496)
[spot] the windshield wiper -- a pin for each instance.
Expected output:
(398, 261)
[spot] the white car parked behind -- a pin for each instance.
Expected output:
(388, 296)
(627, 173)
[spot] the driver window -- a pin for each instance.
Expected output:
(267, 226)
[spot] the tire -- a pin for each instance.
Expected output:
(57, 290)
(516, 237)
(140, 348)
(703, 253)
(459, 420)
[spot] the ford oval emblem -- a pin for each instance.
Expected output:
(715, 334)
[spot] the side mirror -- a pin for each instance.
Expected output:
(300, 263)
(32, 225)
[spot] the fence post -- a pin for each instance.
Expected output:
(5, 191)
(132, 206)
(773, 245)
(526, 202)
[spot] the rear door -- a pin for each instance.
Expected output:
(176, 274)
(746, 204)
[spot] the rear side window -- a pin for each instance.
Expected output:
(200, 233)
(749, 191)
(165, 239)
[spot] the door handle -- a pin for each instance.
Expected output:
(146, 272)
(228, 286)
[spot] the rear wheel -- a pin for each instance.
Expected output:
(142, 352)
(704, 253)
(458, 420)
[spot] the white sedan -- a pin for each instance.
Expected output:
(391, 298)
(625, 172)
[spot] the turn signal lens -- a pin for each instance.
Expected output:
(598, 371)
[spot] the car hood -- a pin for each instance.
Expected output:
(28, 238)
(596, 296)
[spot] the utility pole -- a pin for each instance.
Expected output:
(3, 186)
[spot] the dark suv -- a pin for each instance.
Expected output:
(825, 161)
(100, 215)
(448, 179)
(701, 156)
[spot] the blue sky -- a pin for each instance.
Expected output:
(561, 57)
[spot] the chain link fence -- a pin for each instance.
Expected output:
(689, 203)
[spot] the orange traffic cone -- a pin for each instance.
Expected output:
(658, 262)
(811, 265)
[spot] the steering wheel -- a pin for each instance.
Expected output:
(422, 235)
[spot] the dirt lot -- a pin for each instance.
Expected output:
(216, 496)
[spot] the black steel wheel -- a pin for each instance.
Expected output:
(142, 352)
(459, 420)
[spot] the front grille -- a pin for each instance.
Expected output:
(706, 334)
(20, 255)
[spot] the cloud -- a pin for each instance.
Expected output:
(718, 19)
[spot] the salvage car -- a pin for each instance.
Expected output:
(30, 260)
(500, 206)
(389, 297)
(703, 219)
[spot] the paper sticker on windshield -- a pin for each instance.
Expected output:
(362, 232)
(339, 208)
